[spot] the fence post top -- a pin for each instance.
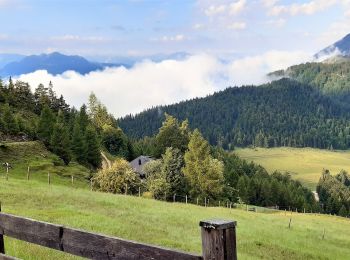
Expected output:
(217, 224)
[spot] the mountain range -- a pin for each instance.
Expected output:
(307, 106)
(341, 47)
(54, 63)
(57, 63)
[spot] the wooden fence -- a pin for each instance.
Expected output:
(218, 241)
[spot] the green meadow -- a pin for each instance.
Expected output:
(173, 225)
(304, 164)
(263, 235)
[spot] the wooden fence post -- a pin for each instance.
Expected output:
(186, 199)
(48, 178)
(139, 191)
(174, 198)
(72, 179)
(2, 244)
(28, 172)
(219, 240)
(197, 200)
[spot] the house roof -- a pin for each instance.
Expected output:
(138, 163)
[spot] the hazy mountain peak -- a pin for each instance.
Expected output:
(54, 63)
(341, 47)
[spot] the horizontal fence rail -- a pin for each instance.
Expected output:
(97, 246)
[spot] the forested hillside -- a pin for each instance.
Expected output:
(331, 77)
(282, 113)
(71, 134)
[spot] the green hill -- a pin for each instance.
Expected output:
(40, 161)
(282, 113)
(259, 235)
(331, 77)
(304, 164)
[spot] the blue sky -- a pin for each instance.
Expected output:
(101, 28)
(229, 42)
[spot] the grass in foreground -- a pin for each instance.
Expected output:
(305, 164)
(259, 235)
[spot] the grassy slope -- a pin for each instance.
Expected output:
(305, 164)
(40, 161)
(260, 235)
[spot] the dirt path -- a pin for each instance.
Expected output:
(106, 163)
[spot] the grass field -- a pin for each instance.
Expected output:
(40, 162)
(305, 164)
(259, 235)
(173, 225)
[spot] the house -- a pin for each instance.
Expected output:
(138, 163)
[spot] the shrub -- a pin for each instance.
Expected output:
(116, 178)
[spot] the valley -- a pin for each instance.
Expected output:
(304, 164)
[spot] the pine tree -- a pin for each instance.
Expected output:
(78, 143)
(343, 212)
(204, 174)
(83, 118)
(41, 98)
(172, 134)
(93, 147)
(10, 92)
(60, 143)
(9, 121)
(46, 124)
(2, 92)
(172, 165)
(115, 141)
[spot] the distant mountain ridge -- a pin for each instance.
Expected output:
(54, 63)
(6, 58)
(341, 47)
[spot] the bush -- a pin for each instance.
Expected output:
(58, 161)
(116, 178)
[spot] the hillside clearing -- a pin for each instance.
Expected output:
(304, 164)
(40, 161)
(260, 235)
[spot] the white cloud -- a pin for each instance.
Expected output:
(232, 8)
(269, 3)
(149, 83)
(166, 38)
(215, 10)
(237, 7)
(278, 23)
(198, 26)
(4, 37)
(76, 38)
(308, 8)
(237, 26)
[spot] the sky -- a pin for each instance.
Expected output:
(227, 42)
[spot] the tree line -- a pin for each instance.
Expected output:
(334, 193)
(186, 164)
(69, 133)
(281, 113)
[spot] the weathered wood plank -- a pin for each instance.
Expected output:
(2, 242)
(36, 232)
(6, 257)
(219, 240)
(95, 246)
(82, 243)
